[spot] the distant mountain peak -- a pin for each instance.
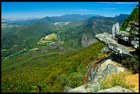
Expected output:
(121, 17)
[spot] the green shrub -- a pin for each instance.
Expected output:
(132, 63)
(75, 79)
(63, 80)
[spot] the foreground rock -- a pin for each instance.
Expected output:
(78, 89)
(116, 89)
(96, 73)
(115, 47)
(104, 69)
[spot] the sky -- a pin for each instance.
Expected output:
(43, 9)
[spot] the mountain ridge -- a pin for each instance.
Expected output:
(71, 32)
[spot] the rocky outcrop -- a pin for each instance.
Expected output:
(116, 89)
(126, 39)
(104, 69)
(113, 45)
(122, 43)
(96, 73)
(131, 35)
(78, 89)
(115, 30)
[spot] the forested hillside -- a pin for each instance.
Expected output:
(52, 70)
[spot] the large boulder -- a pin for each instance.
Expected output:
(78, 89)
(97, 73)
(104, 69)
(115, 89)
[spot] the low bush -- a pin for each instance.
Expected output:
(132, 63)
(116, 80)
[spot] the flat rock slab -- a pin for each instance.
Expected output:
(116, 89)
(113, 45)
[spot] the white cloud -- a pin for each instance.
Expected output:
(126, 2)
(119, 2)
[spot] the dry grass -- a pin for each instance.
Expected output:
(116, 80)
(51, 36)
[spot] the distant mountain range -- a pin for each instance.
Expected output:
(70, 17)
(78, 33)
(121, 17)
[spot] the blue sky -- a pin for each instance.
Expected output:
(43, 9)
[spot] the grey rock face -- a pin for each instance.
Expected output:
(115, 47)
(120, 49)
(130, 36)
(135, 44)
(104, 69)
(92, 74)
(115, 30)
(125, 36)
(116, 89)
(106, 50)
(96, 74)
(86, 40)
